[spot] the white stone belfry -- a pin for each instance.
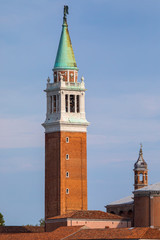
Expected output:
(65, 106)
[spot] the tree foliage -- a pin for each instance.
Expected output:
(2, 220)
(42, 222)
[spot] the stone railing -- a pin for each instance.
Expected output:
(63, 84)
(73, 84)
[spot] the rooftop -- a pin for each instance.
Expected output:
(125, 200)
(88, 215)
(81, 232)
(116, 233)
(58, 234)
(151, 188)
(21, 229)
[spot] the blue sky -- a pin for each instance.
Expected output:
(117, 49)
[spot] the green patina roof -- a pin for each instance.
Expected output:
(65, 56)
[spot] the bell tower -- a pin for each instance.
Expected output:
(140, 172)
(65, 133)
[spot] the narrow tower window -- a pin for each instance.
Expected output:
(66, 102)
(57, 103)
(67, 156)
(141, 177)
(72, 103)
(55, 77)
(67, 174)
(67, 190)
(50, 104)
(67, 139)
(136, 179)
(54, 103)
(78, 107)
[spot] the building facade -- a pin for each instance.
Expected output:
(147, 206)
(65, 134)
(90, 218)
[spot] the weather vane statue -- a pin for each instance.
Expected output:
(65, 13)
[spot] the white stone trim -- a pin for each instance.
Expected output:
(65, 127)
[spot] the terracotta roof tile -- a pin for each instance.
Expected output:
(116, 233)
(152, 232)
(58, 234)
(88, 215)
(78, 232)
(21, 229)
(63, 232)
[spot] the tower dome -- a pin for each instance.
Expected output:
(140, 164)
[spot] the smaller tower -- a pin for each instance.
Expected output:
(140, 172)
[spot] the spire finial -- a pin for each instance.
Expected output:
(65, 14)
(140, 151)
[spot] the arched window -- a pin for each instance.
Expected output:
(141, 177)
(130, 212)
(67, 190)
(112, 212)
(78, 105)
(72, 103)
(67, 174)
(66, 102)
(121, 213)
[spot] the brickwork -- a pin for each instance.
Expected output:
(147, 209)
(54, 225)
(155, 210)
(141, 211)
(57, 201)
(52, 174)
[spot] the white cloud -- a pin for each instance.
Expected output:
(21, 133)
(122, 131)
(127, 105)
(125, 118)
(21, 164)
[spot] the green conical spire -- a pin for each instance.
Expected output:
(65, 58)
